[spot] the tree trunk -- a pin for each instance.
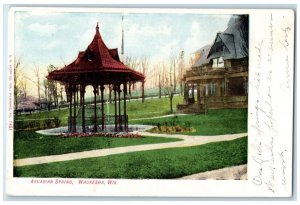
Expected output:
(143, 91)
(181, 88)
(171, 102)
(159, 87)
(16, 99)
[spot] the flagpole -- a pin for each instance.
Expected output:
(122, 46)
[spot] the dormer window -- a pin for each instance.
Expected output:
(219, 47)
(218, 62)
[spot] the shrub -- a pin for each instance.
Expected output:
(36, 124)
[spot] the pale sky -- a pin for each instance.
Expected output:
(56, 38)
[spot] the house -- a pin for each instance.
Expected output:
(219, 77)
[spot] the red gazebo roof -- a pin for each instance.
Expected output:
(98, 60)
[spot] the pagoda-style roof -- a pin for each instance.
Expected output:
(97, 62)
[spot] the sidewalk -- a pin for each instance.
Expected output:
(187, 141)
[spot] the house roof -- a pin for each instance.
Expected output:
(96, 58)
(203, 58)
(235, 39)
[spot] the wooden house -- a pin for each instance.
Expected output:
(219, 78)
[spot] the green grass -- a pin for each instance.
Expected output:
(156, 164)
(151, 107)
(135, 109)
(62, 114)
(216, 122)
(31, 144)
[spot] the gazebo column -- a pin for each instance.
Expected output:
(125, 114)
(95, 107)
(102, 107)
(115, 99)
(82, 91)
(119, 115)
(74, 110)
(70, 109)
(77, 95)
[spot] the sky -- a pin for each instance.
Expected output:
(44, 38)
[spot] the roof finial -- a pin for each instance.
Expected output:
(97, 27)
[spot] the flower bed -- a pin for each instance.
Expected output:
(99, 134)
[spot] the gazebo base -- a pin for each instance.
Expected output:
(108, 129)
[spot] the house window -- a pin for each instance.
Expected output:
(212, 88)
(218, 62)
(223, 87)
(219, 46)
(206, 89)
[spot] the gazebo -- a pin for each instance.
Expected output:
(97, 66)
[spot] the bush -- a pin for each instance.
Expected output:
(36, 124)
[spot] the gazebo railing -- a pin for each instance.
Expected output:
(120, 122)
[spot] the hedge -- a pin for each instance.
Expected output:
(36, 124)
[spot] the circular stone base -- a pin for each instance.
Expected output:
(108, 128)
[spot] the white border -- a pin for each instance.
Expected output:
(185, 188)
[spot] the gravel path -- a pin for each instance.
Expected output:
(187, 141)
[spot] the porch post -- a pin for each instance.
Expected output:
(226, 84)
(198, 93)
(102, 107)
(193, 88)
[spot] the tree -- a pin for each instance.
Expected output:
(159, 77)
(132, 63)
(45, 83)
(169, 78)
(159, 85)
(17, 79)
(144, 67)
(52, 87)
(23, 87)
(181, 69)
(20, 83)
(37, 75)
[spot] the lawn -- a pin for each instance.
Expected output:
(135, 109)
(31, 144)
(156, 164)
(215, 122)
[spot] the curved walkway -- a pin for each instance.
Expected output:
(187, 141)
